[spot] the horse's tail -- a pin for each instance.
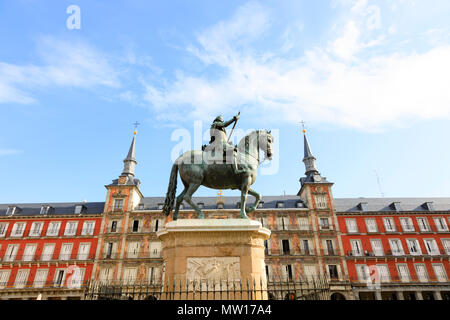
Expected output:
(170, 195)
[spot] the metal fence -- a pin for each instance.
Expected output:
(244, 289)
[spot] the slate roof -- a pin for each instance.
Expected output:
(270, 202)
(151, 203)
(61, 208)
(385, 204)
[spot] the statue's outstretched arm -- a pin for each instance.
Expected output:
(227, 123)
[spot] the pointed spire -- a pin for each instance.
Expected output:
(308, 159)
(130, 161)
(306, 146)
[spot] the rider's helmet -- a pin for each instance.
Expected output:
(219, 118)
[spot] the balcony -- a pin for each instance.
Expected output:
(47, 258)
(402, 280)
(42, 285)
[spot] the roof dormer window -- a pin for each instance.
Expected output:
(220, 206)
(428, 206)
(201, 205)
(299, 204)
(396, 206)
(160, 206)
(11, 210)
(280, 204)
(261, 204)
(79, 209)
(362, 206)
(45, 209)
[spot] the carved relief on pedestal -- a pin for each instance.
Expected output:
(213, 269)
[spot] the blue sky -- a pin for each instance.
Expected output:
(369, 78)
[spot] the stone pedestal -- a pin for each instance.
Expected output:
(214, 259)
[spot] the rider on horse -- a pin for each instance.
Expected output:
(220, 141)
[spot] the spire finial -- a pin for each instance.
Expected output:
(303, 126)
(135, 127)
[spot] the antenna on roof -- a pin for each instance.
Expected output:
(379, 184)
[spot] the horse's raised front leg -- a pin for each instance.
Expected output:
(258, 199)
(188, 198)
(244, 190)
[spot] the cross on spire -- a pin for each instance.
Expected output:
(303, 126)
(136, 124)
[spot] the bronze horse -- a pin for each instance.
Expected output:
(218, 174)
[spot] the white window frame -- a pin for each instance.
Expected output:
(83, 255)
(18, 229)
(446, 245)
(403, 277)
(369, 225)
(154, 274)
(3, 229)
(442, 226)
(56, 275)
(362, 271)
(4, 277)
(309, 271)
(377, 251)
(116, 207)
(323, 227)
(133, 249)
(48, 256)
(351, 225)
(130, 274)
(435, 250)
(71, 231)
(383, 276)
(29, 256)
(87, 230)
(303, 223)
(407, 224)
(416, 243)
(440, 276)
(422, 227)
(53, 228)
(421, 276)
(155, 249)
(321, 201)
(355, 244)
(36, 232)
(76, 278)
(21, 278)
(64, 253)
(40, 278)
(105, 274)
(392, 224)
(11, 252)
(395, 252)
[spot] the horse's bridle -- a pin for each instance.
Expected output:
(257, 147)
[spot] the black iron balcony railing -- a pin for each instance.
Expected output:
(399, 279)
(45, 284)
(46, 258)
(389, 253)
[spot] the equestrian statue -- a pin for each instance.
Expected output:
(219, 165)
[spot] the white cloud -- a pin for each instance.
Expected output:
(342, 83)
(74, 64)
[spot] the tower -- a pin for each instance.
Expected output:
(122, 197)
(316, 192)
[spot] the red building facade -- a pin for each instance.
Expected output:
(396, 248)
(47, 251)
